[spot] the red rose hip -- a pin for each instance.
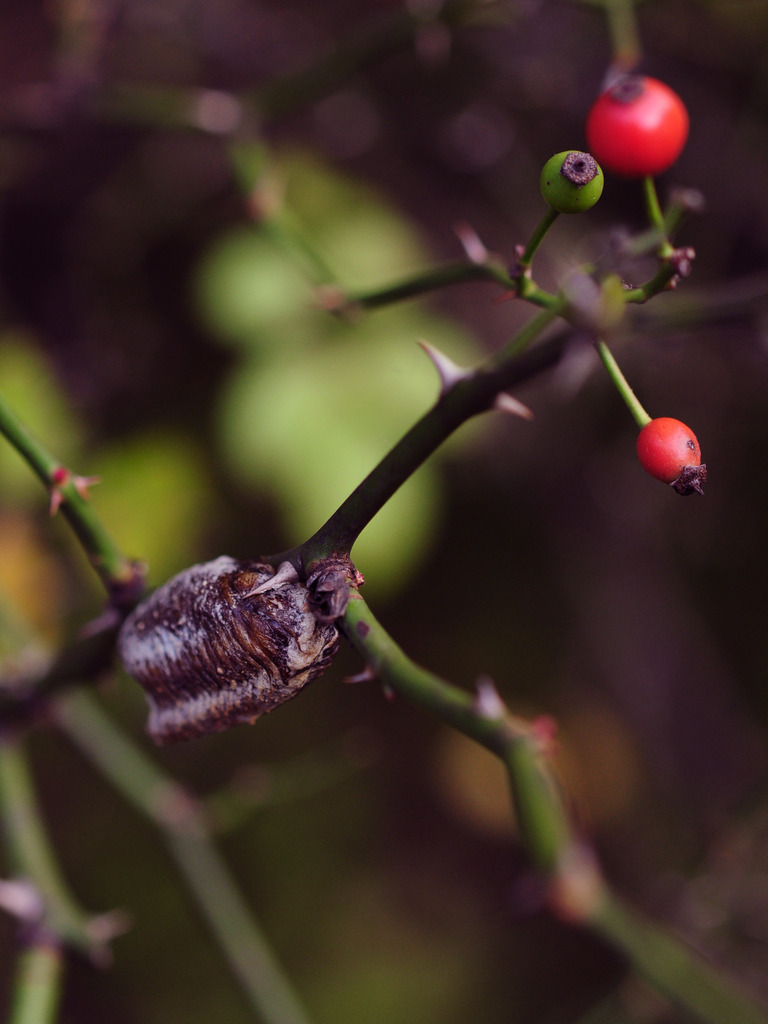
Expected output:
(669, 451)
(637, 127)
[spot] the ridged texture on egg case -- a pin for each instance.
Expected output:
(210, 656)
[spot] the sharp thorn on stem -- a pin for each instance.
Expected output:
(110, 925)
(471, 243)
(22, 899)
(286, 573)
(331, 299)
(57, 500)
(110, 618)
(488, 703)
(368, 675)
(450, 373)
(83, 485)
(507, 403)
(60, 477)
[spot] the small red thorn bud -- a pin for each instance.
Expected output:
(544, 729)
(57, 500)
(83, 485)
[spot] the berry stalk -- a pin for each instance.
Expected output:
(633, 403)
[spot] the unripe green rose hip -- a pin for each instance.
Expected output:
(571, 182)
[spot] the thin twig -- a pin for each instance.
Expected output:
(633, 403)
(187, 833)
(37, 984)
(671, 966)
(578, 892)
(474, 393)
(421, 283)
(69, 493)
(31, 854)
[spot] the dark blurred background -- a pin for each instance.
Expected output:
(154, 333)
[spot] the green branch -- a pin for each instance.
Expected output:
(185, 829)
(422, 283)
(631, 400)
(671, 966)
(537, 238)
(472, 393)
(540, 813)
(37, 984)
(656, 284)
(31, 857)
(68, 492)
(578, 892)
(655, 215)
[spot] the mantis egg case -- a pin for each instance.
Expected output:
(210, 652)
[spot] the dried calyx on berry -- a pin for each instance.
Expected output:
(223, 643)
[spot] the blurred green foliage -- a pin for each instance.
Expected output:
(158, 499)
(314, 401)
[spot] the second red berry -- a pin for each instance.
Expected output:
(669, 451)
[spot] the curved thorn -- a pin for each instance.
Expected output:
(286, 573)
(488, 703)
(366, 676)
(471, 243)
(450, 373)
(506, 403)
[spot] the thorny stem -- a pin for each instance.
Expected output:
(474, 393)
(658, 283)
(670, 966)
(116, 572)
(578, 892)
(634, 405)
(420, 284)
(541, 815)
(187, 833)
